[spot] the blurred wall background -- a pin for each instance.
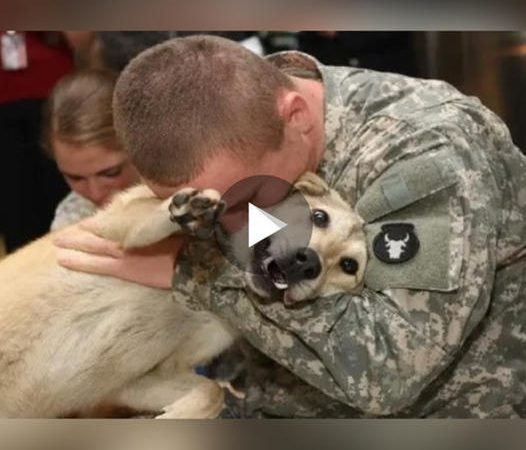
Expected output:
(489, 65)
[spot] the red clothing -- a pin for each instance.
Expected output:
(46, 65)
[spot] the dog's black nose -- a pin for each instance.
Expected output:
(304, 264)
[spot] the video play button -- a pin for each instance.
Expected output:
(262, 212)
(261, 225)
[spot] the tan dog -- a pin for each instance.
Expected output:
(73, 342)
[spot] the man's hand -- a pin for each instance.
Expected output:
(79, 248)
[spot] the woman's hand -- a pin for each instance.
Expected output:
(80, 249)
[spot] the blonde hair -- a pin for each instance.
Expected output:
(179, 102)
(79, 110)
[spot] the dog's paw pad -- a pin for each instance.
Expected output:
(200, 202)
(183, 196)
(196, 212)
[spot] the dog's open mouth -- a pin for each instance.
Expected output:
(277, 280)
(276, 276)
(270, 277)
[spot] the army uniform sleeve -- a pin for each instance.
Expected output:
(377, 351)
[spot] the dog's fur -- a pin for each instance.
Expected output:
(74, 342)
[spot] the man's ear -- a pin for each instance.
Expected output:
(311, 184)
(294, 110)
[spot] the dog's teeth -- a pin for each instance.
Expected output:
(280, 285)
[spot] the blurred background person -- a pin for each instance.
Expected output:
(80, 137)
(114, 49)
(30, 185)
(385, 51)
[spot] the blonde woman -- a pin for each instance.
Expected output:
(81, 138)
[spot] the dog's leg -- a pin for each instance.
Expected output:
(136, 221)
(205, 400)
(183, 396)
(188, 211)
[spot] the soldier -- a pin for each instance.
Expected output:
(438, 330)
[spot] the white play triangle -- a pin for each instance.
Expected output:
(261, 224)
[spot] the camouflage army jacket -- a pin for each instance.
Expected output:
(442, 335)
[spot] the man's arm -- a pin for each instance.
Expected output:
(377, 351)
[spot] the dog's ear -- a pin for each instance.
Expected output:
(311, 184)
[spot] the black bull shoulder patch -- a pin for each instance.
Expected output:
(396, 243)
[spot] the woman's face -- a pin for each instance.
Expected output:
(95, 172)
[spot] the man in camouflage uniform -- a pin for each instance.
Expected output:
(441, 335)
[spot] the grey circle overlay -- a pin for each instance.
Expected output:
(276, 197)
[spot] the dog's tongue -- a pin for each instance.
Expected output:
(287, 299)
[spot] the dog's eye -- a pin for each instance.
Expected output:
(320, 218)
(349, 265)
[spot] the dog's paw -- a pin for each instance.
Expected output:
(196, 212)
(204, 401)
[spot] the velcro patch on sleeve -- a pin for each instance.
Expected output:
(410, 248)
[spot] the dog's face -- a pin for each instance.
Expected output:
(334, 260)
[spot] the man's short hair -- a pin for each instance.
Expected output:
(182, 101)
